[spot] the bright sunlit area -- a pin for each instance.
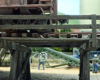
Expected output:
(36, 45)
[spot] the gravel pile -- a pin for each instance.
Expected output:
(48, 76)
(4, 75)
(41, 76)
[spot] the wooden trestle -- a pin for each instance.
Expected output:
(19, 43)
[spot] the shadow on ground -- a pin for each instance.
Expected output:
(4, 75)
(46, 76)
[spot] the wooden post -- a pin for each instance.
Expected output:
(84, 66)
(20, 68)
(13, 71)
(0, 62)
(81, 64)
(27, 72)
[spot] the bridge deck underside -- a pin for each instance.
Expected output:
(48, 42)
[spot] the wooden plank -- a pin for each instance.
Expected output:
(86, 66)
(51, 33)
(26, 69)
(46, 35)
(23, 27)
(24, 34)
(44, 39)
(35, 35)
(81, 64)
(20, 63)
(45, 16)
(57, 35)
(0, 62)
(29, 6)
(2, 52)
(14, 35)
(80, 35)
(13, 46)
(94, 29)
(13, 71)
(60, 45)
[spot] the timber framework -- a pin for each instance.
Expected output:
(19, 43)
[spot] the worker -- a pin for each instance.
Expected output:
(41, 61)
(94, 62)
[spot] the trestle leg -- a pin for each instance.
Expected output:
(20, 68)
(0, 62)
(84, 66)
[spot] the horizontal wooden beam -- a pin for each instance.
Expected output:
(71, 45)
(45, 39)
(47, 42)
(23, 27)
(13, 46)
(29, 6)
(47, 16)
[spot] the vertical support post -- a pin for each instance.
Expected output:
(81, 64)
(0, 62)
(84, 66)
(94, 28)
(8, 2)
(26, 67)
(13, 71)
(25, 2)
(55, 7)
(20, 68)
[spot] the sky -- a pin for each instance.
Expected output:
(69, 7)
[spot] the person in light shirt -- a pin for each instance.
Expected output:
(41, 61)
(94, 62)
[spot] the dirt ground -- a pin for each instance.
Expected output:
(56, 73)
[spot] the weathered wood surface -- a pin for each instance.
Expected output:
(84, 65)
(94, 30)
(13, 72)
(2, 52)
(25, 73)
(23, 27)
(20, 68)
(13, 46)
(47, 17)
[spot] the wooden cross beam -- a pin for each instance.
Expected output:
(13, 46)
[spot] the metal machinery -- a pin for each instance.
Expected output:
(19, 41)
(27, 7)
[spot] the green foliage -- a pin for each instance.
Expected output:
(56, 31)
(65, 30)
(68, 49)
(57, 49)
(34, 49)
